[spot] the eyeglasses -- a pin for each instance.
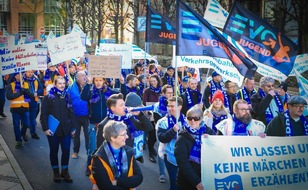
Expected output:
(269, 86)
(123, 135)
(193, 118)
(298, 106)
(231, 87)
(244, 109)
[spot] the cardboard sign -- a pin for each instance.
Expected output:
(105, 66)
(124, 50)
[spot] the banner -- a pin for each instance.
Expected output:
(3, 41)
(41, 56)
(124, 50)
(139, 53)
(196, 37)
(83, 36)
(300, 64)
(260, 40)
(104, 66)
(159, 29)
(64, 48)
(303, 88)
(215, 14)
(18, 58)
(252, 162)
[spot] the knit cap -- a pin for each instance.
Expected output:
(283, 86)
(132, 100)
(214, 74)
(218, 94)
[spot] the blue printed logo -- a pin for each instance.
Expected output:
(232, 182)
(155, 21)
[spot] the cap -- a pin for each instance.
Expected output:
(132, 100)
(185, 79)
(218, 94)
(140, 77)
(170, 67)
(214, 74)
(297, 100)
(283, 86)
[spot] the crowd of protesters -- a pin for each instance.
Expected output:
(115, 127)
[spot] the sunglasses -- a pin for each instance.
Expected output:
(193, 118)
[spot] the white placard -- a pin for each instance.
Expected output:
(124, 50)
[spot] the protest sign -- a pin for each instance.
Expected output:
(124, 50)
(3, 41)
(18, 58)
(105, 66)
(65, 48)
(41, 56)
(252, 162)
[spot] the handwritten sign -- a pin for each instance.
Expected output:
(252, 162)
(41, 56)
(65, 48)
(105, 66)
(3, 41)
(18, 58)
(124, 50)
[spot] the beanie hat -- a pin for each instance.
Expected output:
(170, 67)
(218, 94)
(214, 74)
(284, 86)
(185, 79)
(132, 100)
(140, 77)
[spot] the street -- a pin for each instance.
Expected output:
(33, 159)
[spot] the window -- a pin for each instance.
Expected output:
(3, 19)
(25, 23)
(52, 22)
(4, 5)
(50, 6)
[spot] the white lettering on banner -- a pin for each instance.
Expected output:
(250, 162)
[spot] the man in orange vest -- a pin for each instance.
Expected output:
(18, 93)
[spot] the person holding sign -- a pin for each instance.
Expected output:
(58, 105)
(241, 123)
(19, 95)
(113, 164)
(188, 150)
(291, 122)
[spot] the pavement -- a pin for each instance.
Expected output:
(11, 176)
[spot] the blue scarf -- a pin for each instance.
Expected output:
(134, 89)
(170, 81)
(155, 72)
(214, 88)
(216, 120)
(190, 102)
(289, 128)
(162, 105)
(240, 129)
(181, 89)
(141, 87)
(155, 90)
(48, 73)
(246, 95)
(227, 101)
(268, 112)
(29, 80)
(53, 91)
(172, 122)
(195, 152)
(66, 72)
(96, 93)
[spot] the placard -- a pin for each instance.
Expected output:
(104, 66)
(124, 50)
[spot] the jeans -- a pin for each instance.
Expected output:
(83, 121)
(20, 115)
(54, 142)
(172, 171)
(161, 165)
(33, 109)
(2, 99)
(92, 141)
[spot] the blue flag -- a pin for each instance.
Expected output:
(197, 37)
(260, 40)
(159, 29)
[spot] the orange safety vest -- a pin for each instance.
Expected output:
(20, 101)
(109, 171)
(35, 89)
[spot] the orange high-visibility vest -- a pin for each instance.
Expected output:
(20, 101)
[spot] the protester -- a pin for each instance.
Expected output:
(283, 95)
(130, 85)
(81, 111)
(96, 95)
(291, 122)
(2, 96)
(58, 105)
(36, 90)
(113, 164)
(230, 96)
(248, 90)
(169, 77)
(18, 93)
(216, 112)
(241, 123)
(167, 131)
(266, 103)
(215, 84)
(188, 150)
(50, 75)
(184, 85)
(191, 96)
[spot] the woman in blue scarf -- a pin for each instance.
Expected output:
(188, 150)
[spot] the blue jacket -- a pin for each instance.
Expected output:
(80, 106)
